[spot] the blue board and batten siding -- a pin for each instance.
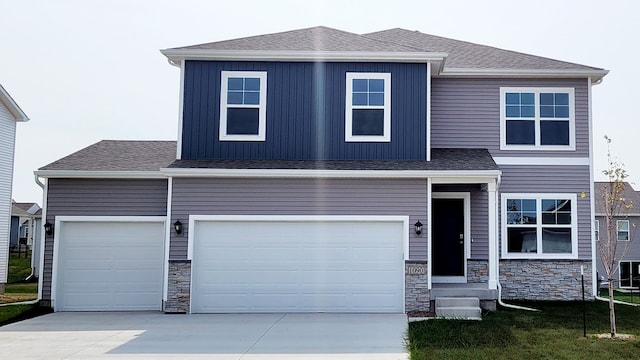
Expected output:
(305, 112)
(99, 197)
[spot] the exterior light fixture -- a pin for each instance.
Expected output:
(178, 227)
(48, 228)
(418, 227)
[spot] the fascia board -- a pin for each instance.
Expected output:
(286, 173)
(12, 106)
(568, 73)
(99, 174)
(176, 56)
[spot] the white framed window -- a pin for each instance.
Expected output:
(539, 226)
(368, 107)
(597, 230)
(243, 105)
(629, 274)
(622, 228)
(537, 118)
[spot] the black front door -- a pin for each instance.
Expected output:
(448, 237)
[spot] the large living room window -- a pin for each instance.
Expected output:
(243, 97)
(537, 118)
(539, 226)
(368, 107)
(629, 274)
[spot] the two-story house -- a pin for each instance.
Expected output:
(318, 170)
(625, 236)
(10, 115)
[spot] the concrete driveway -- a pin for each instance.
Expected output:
(242, 336)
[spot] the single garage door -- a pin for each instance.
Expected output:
(107, 266)
(298, 266)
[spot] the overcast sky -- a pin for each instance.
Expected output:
(89, 70)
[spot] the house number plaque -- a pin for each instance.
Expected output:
(416, 270)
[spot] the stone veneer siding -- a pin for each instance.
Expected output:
(477, 271)
(179, 287)
(416, 288)
(544, 279)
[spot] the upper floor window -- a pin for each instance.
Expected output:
(537, 118)
(539, 226)
(243, 98)
(623, 230)
(368, 107)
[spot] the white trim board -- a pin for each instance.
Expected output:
(559, 161)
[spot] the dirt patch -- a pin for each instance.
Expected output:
(617, 337)
(11, 298)
(421, 314)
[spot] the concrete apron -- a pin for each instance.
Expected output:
(151, 335)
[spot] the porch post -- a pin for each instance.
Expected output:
(493, 234)
(429, 227)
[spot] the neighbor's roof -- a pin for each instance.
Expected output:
(628, 193)
(116, 156)
(454, 57)
(441, 160)
(18, 211)
(12, 106)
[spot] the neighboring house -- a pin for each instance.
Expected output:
(10, 114)
(318, 170)
(26, 225)
(626, 225)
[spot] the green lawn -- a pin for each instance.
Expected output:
(554, 333)
(630, 297)
(18, 290)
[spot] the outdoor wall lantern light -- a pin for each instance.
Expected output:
(178, 227)
(48, 228)
(418, 227)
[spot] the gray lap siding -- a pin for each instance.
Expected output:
(206, 196)
(99, 197)
(574, 179)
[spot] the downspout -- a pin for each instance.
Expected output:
(500, 302)
(31, 302)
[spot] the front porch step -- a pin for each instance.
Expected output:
(467, 308)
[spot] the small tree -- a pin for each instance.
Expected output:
(614, 206)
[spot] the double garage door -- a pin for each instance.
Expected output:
(238, 265)
(297, 266)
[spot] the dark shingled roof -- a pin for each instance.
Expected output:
(441, 160)
(318, 38)
(113, 155)
(462, 54)
(466, 55)
(628, 193)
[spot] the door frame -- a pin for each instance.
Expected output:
(466, 197)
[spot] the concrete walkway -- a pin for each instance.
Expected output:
(153, 335)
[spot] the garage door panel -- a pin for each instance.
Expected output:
(110, 265)
(338, 266)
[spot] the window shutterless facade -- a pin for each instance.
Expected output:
(243, 99)
(539, 226)
(368, 107)
(622, 227)
(629, 274)
(537, 118)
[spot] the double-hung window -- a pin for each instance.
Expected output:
(622, 227)
(368, 107)
(539, 226)
(537, 118)
(629, 274)
(243, 97)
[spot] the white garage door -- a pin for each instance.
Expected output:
(298, 266)
(106, 266)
